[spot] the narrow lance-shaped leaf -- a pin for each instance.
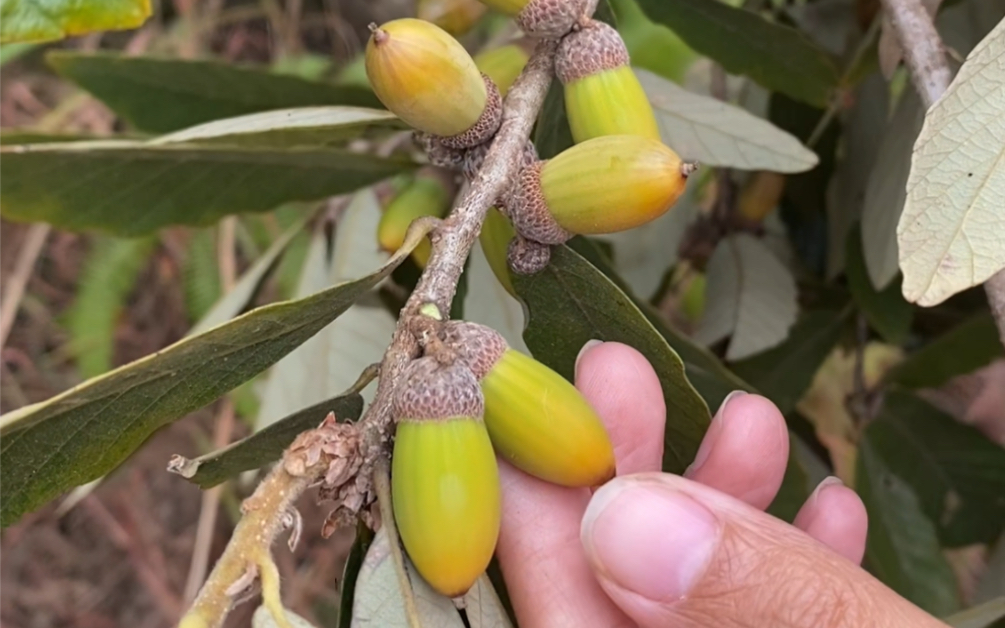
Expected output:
(963, 349)
(571, 302)
(89, 430)
(130, 188)
(778, 57)
(48, 20)
(886, 310)
(163, 95)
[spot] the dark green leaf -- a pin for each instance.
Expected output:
(571, 302)
(982, 616)
(886, 310)
(84, 433)
(129, 188)
(784, 373)
(553, 134)
(48, 20)
(264, 446)
(957, 473)
(707, 373)
(605, 14)
(163, 95)
(902, 548)
(353, 563)
(964, 349)
(778, 57)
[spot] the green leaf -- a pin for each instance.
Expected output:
(264, 446)
(886, 310)
(129, 188)
(89, 430)
(162, 95)
(571, 302)
(786, 372)
(553, 134)
(957, 473)
(286, 128)
(901, 547)
(108, 277)
(981, 616)
(200, 274)
(794, 491)
(707, 373)
(964, 349)
(49, 20)
(9, 52)
(353, 563)
(778, 57)
(651, 46)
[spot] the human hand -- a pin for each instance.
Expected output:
(658, 550)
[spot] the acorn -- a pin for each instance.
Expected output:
(603, 185)
(545, 19)
(602, 94)
(425, 77)
(495, 239)
(431, 193)
(444, 476)
(504, 64)
(454, 16)
(536, 419)
(761, 195)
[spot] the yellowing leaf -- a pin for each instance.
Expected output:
(47, 20)
(719, 134)
(950, 234)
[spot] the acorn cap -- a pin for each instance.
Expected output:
(603, 95)
(550, 19)
(526, 257)
(425, 77)
(529, 212)
(608, 184)
(487, 124)
(478, 346)
(429, 390)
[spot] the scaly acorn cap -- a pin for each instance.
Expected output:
(504, 64)
(495, 239)
(527, 257)
(536, 419)
(527, 210)
(602, 94)
(429, 194)
(426, 78)
(603, 185)
(545, 19)
(444, 477)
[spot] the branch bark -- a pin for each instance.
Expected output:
(267, 511)
(925, 56)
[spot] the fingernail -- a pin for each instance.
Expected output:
(649, 539)
(830, 480)
(586, 347)
(711, 435)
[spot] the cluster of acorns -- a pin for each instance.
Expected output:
(471, 396)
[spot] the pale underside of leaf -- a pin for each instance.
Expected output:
(719, 134)
(263, 618)
(378, 601)
(750, 294)
(951, 235)
(487, 302)
(885, 192)
(483, 607)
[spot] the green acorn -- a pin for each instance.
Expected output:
(430, 194)
(536, 419)
(504, 64)
(495, 238)
(602, 94)
(426, 78)
(444, 477)
(603, 185)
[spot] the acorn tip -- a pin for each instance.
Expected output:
(688, 168)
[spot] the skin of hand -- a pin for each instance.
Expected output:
(652, 549)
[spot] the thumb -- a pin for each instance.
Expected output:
(672, 552)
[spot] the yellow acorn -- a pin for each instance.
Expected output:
(602, 94)
(549, 19)
(495, 238)
(761, 194)
(504, 64)
(454, 16)
(444, 477)
(537, 420)
(429, 194)
(425, 77)
(604, 185)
